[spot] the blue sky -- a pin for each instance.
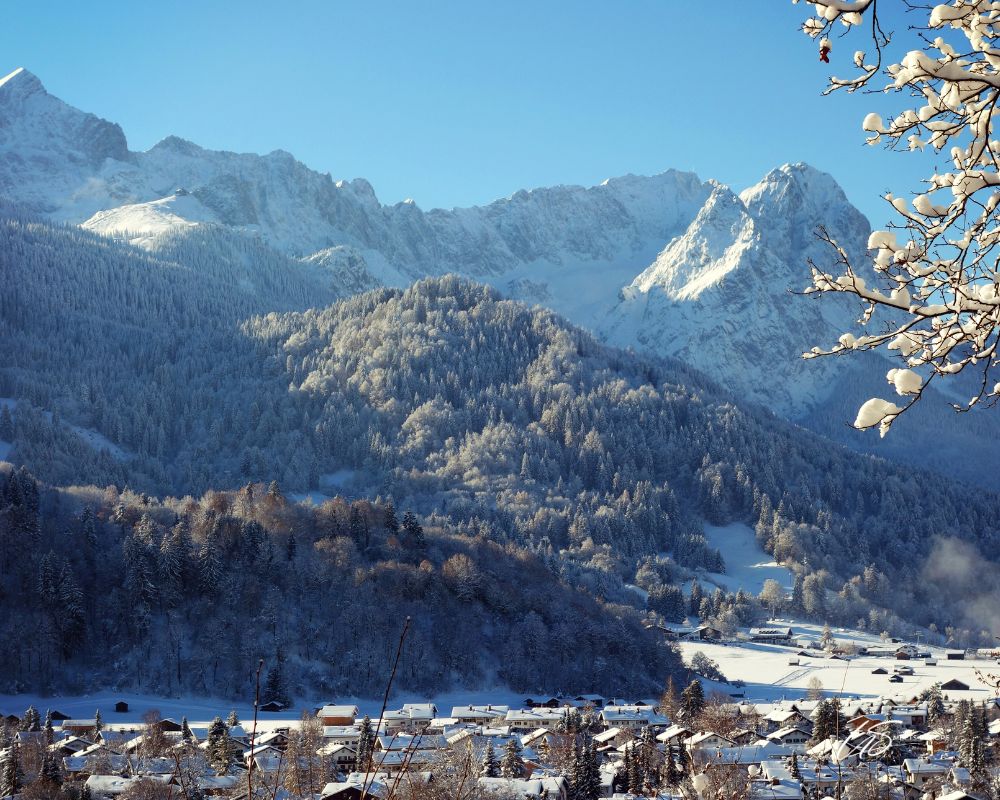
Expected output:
(456, 103)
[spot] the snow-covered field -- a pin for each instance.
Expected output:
(769, 675)
(747, 565)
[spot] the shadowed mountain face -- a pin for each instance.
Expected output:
(667, 264)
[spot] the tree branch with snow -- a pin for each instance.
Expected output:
(936, 286)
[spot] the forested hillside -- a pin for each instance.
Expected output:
(163, 596)
(502, 419)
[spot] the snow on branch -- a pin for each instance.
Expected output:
(937, 277)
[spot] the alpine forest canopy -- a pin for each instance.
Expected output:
(499, 422)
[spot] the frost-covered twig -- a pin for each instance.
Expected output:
(937, 279)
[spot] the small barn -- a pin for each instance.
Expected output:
(955, 685)
(955, 655)
(272, 706)
(121, 707)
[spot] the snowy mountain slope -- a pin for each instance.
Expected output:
(718, 296)
(300, 211)
(667, 263)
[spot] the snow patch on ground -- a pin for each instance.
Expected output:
(747, 565)
(142, 223)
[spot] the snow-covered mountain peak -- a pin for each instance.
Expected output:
(708, 250)
(20, 83)
(175, 144)
(801, 195)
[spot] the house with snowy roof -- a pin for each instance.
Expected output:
(479, 715)
(790, 736)
(525, 720)
(337, 715)
(553, 788)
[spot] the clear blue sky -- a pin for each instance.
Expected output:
(455, 103)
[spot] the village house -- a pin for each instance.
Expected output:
(919, 772)
(775, 635)
(526, 720)
(633, 717)
(331, 715)
(479, 715)
(411, 718)
(790, 737)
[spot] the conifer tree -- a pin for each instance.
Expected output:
(51, 770)
(233, 719)
(50, 734)
(31, 721)
(512, 764)
(591, 772)
(389, 521)
(11, 772)
(220, 747)
(489, 768)
(366, 744)
(274, 686)
(693, 700)
(186, 735)
(98, 722)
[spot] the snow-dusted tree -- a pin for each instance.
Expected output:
(31, 721)
(692, 700)
(366, 744)
(220, 750)
(11, 772)
(489, 767)
(935, 297)
(511, 763)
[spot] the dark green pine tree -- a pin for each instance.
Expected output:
(413, 531)
(671, 770)
(511, 763)
(489, 768)
(591, 772)
(51, 771)
(98, 722)
(389, 521)
(31, 721)
(220, 749)
(637, 769)
(50, 733)
(11, 772)
(793, 770)
(693, 700)
(186, 735)
(274, 687)
(576, 777)
(366, 744)
(85, 793)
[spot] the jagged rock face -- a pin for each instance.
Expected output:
(719, 296)
(48, 150)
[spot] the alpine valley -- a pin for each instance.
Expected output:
(224, 375)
